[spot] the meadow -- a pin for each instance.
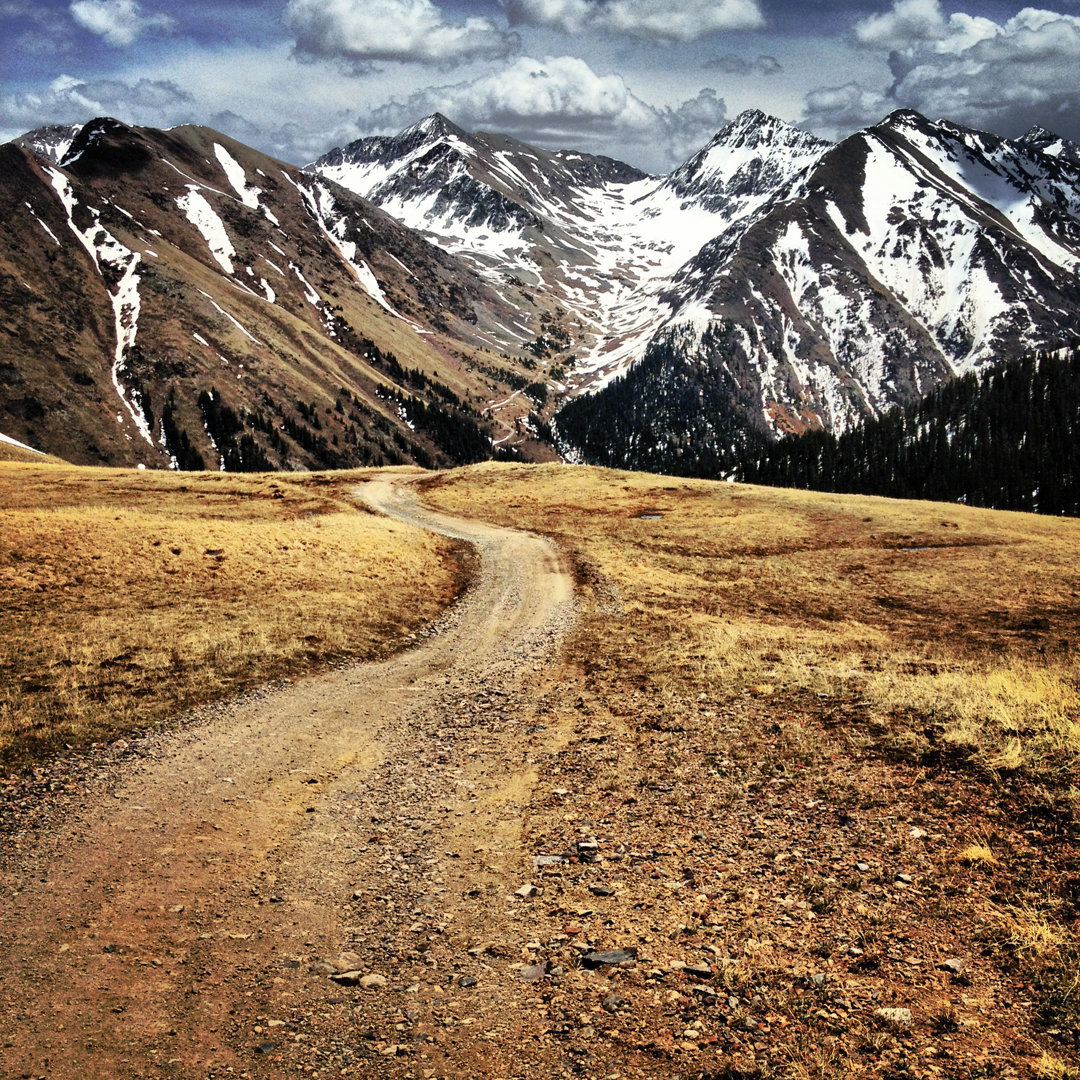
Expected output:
(127, 597)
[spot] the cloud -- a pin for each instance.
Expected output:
(836, 111)
(657, 20)
(908, 21)
(118, 22)
(363, 31)
(1001, 76)
(731, 64)
(560, 102)
(71, 101)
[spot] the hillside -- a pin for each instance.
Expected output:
(1005, 439)
(177, 299)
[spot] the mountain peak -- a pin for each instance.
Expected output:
(1051, 144)
(752, 127)
(434, 126)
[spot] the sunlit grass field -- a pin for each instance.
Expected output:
(933, 617)
(127, 596)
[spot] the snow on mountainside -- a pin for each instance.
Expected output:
(601, 239)
(51, 142)
(176, 298)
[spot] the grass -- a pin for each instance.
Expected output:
(907, 663)
(128, 596)
(947, 626)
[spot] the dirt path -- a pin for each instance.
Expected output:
(188, 924)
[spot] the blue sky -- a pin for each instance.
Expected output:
(648, 81)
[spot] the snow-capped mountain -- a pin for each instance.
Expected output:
(176, 297)
(795, 282)
(599, 239)
(773, 282)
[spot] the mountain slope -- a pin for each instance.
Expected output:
(1008, 439)
(177, 298)
(907, 254)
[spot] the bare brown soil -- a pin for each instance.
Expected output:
(673, 736)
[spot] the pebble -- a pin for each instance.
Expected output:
(900, 1017)
(527, 891)
(609, 957)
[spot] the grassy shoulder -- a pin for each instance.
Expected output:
(128, 596)
(951, 625)
(841, 733)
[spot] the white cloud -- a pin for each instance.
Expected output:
(362, 31)
(118, 22)
(836, 111)
(656, 20)
(547, 98)
(1002, 76)
(561, 102)
(68, 100)
(908, 21)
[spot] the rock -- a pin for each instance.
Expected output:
(954, 966)
(372, 981)
(266, 1048)
(347, 961)
(609, 956)
(527, 891)
(613, 1003)
(467, 980)
(900, 1017)
(732, 1002)
(698, 971)
(706, 993)
(916, 833)
(532, 973)
(862, 867)
(904, 879)
(540, 861)
(601, 890)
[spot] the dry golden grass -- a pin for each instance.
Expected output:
(931, 616)
(126, 596)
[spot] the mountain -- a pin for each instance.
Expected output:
(903, 256)
(176, 298)
(596, 239)
(440, 295)
(1007, 438)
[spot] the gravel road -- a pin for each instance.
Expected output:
(188, 921)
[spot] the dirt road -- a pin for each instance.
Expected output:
(189, 923)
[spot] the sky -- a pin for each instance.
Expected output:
(645, 81)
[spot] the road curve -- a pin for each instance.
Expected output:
(151, 933)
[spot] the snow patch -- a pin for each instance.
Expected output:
(203, 216)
